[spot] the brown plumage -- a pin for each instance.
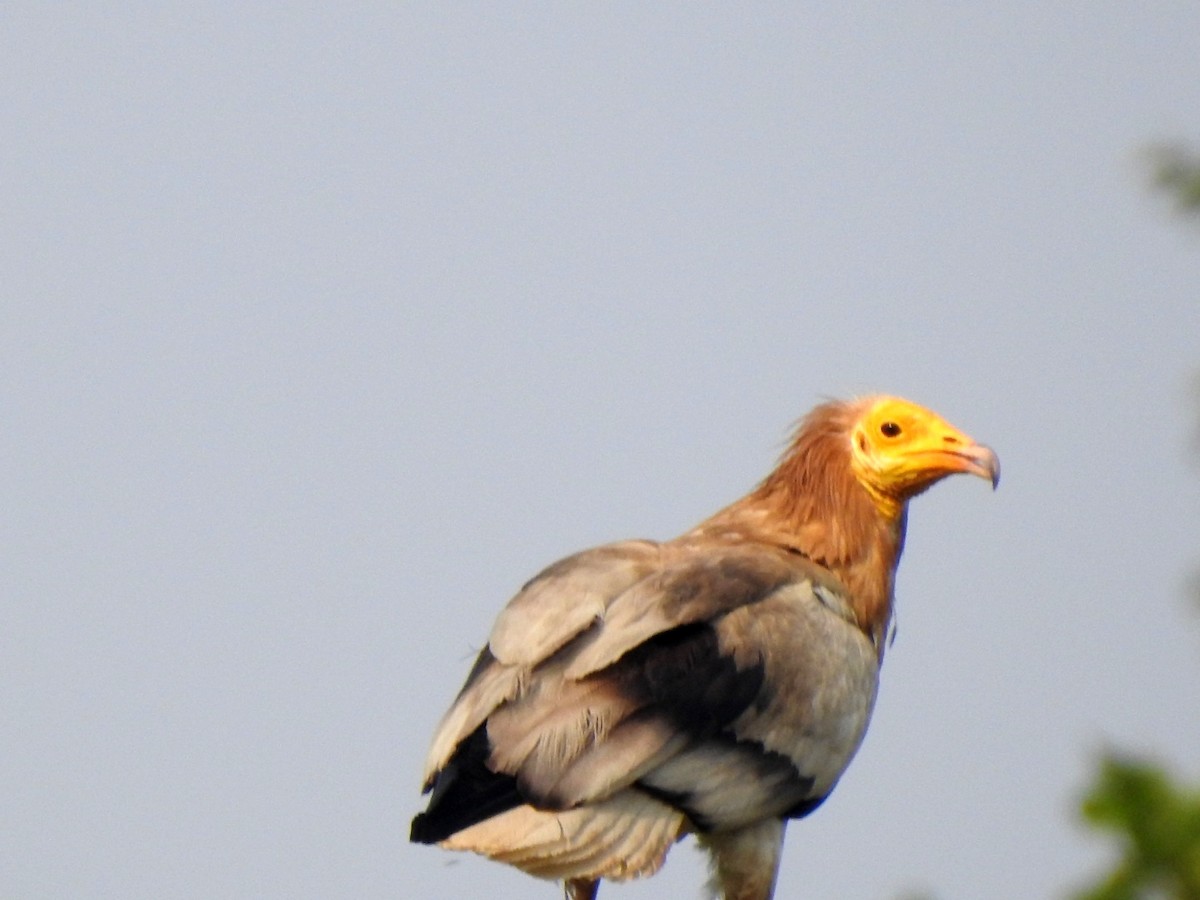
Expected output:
(716, 684)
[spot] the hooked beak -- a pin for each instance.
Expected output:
(981, 460)
(950, 452)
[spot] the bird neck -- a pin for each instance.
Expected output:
(814, 505)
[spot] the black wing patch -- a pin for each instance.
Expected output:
(682, 675)
(678, 675)
(466, 791)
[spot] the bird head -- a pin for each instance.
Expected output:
(898, 449)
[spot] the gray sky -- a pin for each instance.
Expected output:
(324, 330)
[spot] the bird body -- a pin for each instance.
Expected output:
(716, 684)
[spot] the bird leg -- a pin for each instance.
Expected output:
(745, 862)
(581, 888)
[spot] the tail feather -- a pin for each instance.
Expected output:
(626, 836)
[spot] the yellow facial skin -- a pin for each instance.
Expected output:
(899, 449)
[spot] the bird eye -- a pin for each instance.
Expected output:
(889, 429)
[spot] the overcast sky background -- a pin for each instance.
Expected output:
(324, 329)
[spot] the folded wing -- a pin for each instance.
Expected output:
(638, 691)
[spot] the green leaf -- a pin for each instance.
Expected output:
(1156, 821)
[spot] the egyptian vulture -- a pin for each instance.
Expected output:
(717, 684)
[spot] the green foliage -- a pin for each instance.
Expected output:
(1177, 171)
(1154, 817)
(1157, 823)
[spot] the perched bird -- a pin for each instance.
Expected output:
(717, 684)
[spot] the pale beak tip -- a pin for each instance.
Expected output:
(991, 464)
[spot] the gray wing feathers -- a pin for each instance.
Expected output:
(553, 608)
(816, 704)
(731, 783)
(690, 588)
(491, 687)
(567, 599)
(574, 728)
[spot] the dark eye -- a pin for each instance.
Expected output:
(889, 429)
